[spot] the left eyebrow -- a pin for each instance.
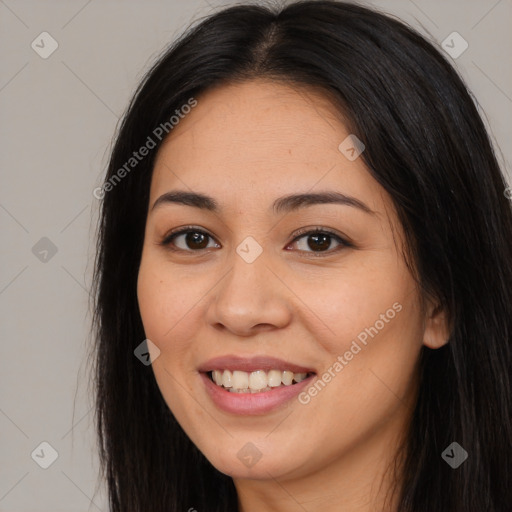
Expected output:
(296, 201)
(281, 205)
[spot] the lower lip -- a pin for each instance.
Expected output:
(252, 403)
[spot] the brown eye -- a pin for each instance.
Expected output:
(196, 240)
(319, 241)
(187, 240)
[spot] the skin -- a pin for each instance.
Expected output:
(245, 145)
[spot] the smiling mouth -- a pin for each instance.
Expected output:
(259, 381)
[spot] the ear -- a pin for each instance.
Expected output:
(436, 331)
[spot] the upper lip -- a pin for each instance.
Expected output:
(251, 364)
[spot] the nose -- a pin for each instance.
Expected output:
(250, 298)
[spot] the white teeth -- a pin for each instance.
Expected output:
(299, 377)
(227, 379)
(287, 378)
(217, 377)
(274, 378)
(257, 381)
(240, 380)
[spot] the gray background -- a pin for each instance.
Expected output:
(57, 118)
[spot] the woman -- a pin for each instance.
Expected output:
(304, 229)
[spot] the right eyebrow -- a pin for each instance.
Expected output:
(189, 199)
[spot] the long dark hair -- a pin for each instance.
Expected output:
(427, 147)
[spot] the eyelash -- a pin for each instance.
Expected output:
(166, 242)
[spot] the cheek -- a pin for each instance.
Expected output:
(350, 304)
(165, 302)
(370, 331)
(166, 305)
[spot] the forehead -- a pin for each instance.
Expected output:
(259, 139)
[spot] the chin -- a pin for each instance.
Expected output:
(250, 462)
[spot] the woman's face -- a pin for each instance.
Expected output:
(247, 292)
